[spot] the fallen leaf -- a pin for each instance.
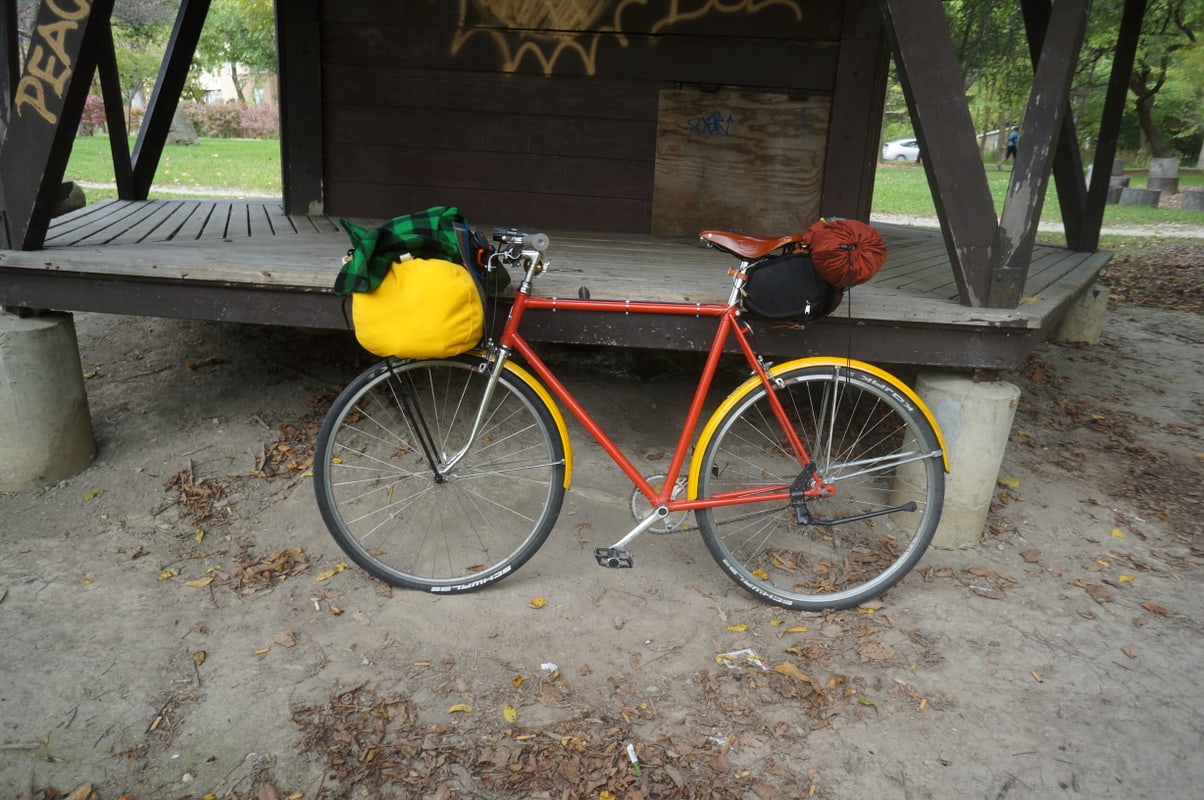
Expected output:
(741, 628)
(1011, 483)
(791, 670)
(1031, 556)
(538, 602)
(200, 583)
(165, 574)
(1130, 651)
(1099, 594)
(285, 639)
(263, 651)
(198, 657)
(517, 682)
(796, 629)
(1125, 578)
(1118, 533)
(460, 708)
(93, 494)
(330, 573)
(199, 535)
(510, 714)
(1155, 609)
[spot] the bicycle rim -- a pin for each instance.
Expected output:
(871, 443)
(391, 511)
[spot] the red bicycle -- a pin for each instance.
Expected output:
(817, 483)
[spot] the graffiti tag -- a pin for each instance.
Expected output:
(713, 124)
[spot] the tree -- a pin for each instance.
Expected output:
(1170, 26)
(239, 36)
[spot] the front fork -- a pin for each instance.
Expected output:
(441, 464)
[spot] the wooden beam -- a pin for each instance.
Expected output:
(923, 52)
(10, 69)
(1030, 176)
(110, 89)
(48, 103)
(173, 72)
(856, 122)
(1109, 131)
(1068, 162)
(299, 55)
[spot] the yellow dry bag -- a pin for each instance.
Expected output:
(423, 308)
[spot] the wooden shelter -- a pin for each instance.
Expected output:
(628, 125)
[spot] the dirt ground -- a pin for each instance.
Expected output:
(176, 622)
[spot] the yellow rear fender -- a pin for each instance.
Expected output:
(754, 383)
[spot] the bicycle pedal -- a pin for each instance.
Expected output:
(613, 558)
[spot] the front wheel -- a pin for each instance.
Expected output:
(399, 510)
(867, 439)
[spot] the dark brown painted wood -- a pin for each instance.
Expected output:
(47, 106)
(1030, 176)
(858, 99)
(110, 87)
(1068, 162)
(165, 98)
(246, 261)
(10, 69)
(1109, 132)
(299, 55)
(935, 96)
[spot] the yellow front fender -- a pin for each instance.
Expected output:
(754, 383)
(553, 409)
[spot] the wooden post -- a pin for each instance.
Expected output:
(1030, 177)
(173, 72)
(1109, 130)
(48, 102)
(936, 98)
(299, 48)
(857, 102)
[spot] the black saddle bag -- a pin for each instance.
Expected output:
(788, 287)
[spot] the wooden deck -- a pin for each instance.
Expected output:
(247, 261)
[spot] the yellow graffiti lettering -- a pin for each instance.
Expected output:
(56, 34)
(82, 8)
(31, 93)
(45, 70)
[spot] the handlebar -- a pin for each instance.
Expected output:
(516, 247)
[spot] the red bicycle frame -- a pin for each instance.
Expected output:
(729, 324)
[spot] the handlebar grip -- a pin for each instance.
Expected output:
(536, 241)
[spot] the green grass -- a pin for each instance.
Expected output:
(250, 166)
(903, 189)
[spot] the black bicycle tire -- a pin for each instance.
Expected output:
(475, 576)
(933, 494)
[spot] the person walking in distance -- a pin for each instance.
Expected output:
(1013, 140)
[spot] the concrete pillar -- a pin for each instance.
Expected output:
(975, 419)
(45, 428)
(1084, 321)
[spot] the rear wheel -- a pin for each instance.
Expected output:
(869, 441)
(409, 522)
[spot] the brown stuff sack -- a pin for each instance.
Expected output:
(846, 252)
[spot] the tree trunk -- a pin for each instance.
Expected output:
(1145, 118)
(1200, 158)
(237, 84)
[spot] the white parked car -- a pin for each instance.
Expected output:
(901, 150)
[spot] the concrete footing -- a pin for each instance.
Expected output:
(975, 419)
(1084, 321)
(45, 428)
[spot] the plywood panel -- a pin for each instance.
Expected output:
(735, 160)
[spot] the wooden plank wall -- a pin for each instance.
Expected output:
(540, 114)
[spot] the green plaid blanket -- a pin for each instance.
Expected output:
(433, 233)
